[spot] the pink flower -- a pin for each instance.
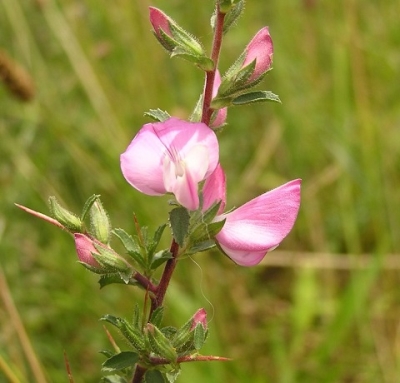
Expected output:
(261, 50)
(172, 156)
(84, 248)
(256, 227)
(221, 114)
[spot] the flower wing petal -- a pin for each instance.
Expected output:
(260, 225)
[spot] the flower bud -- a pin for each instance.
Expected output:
(247, 71)
(100, 222)
(199, 318)
(172, 36)
(161, 25)
(260, 50)
(98, 257)
(159, 343)
(85, 249)
(64, 216)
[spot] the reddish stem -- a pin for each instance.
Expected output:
(160, 290)
(210, 75)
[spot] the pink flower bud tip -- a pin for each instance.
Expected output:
(260, 49)
(200, 316)
(159, 21)
(84, 248)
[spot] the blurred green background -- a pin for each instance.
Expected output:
(325, 306)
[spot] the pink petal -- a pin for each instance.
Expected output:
(260, 49)
(160, 21)
(171, 156)
(221, 114)
(214, 189)
(260, 225)
(141, 163)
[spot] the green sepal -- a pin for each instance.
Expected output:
(253, 97)
(93, 269)
(125, 359)
(157, 115)
(179, 219)
(88, 204)
(159, 258)
(186, 40)
(157, 316)
(159, 343)
(154, 376)
(100, 224)
(65, 217)
(197, 111)
(237, 81)
(199, 337)
(183, 338)
(110, 260)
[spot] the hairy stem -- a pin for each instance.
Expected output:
(210, 75)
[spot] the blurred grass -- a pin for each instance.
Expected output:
(96, 69)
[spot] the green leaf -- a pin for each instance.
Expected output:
(233, 15)
(173, 375)
(258, 96)
(124, 359)
(129, 243)
(159, 258)
(88, 204)
(154, 376)
(115, 321)
(113, 379)
(109, 279)
(179, 219)
(132, 247)
(158, 115)
(156, 240)
(201, 246)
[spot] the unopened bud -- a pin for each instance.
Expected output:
(85, 250)
(200, 317)
(159, 343)
(260, 50)
(100, 222)
(64, 216)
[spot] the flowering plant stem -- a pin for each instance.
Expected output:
(210, 75)
(160, 291)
